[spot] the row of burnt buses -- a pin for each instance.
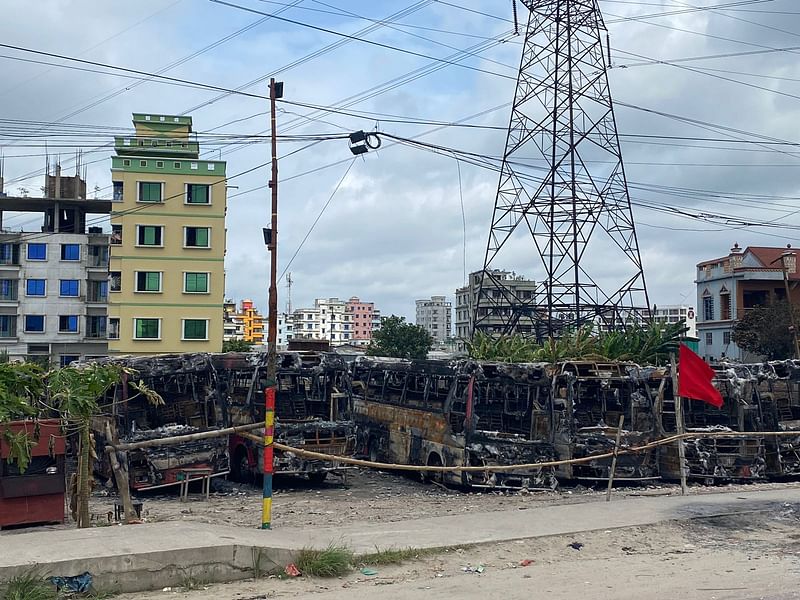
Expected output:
(457, 413)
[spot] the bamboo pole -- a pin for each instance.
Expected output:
(177, 439)
(679, 425)
(614, 460)
(122, 479)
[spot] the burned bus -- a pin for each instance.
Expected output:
(455, 413)
(725, 458)
(312, 412)
(203, 392)
(779, 396)
(589, 397)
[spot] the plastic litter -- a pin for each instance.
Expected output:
(575, 545)
(291, 570)
(470, 569)
(525, 562)
(77, 583)
(368, 572)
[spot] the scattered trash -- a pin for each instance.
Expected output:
(78, 583)
(469, 569)
(525, 562)
(166, 589)
(628, 550)
(368, 572)
(575, 545)
(291, 570)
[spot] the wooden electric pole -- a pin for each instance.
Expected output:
(271, 238)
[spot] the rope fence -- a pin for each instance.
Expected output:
(502, 468)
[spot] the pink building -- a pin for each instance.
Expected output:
(364, 317)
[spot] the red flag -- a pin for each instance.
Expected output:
(694, 378)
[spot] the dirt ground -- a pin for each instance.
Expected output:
(366, 497)
(752, 556)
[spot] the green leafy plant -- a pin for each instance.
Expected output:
(29, 585)
(399, 339)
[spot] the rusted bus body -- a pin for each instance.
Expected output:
(779, 394)
(460, 413)
(312, 412)
(211, 391)
(740, 457)
(588, 400)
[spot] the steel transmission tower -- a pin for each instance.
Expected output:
(562, 183)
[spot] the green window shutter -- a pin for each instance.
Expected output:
(147, 328)
(202, 237)
(153, 281)
(149, 236)
(196, 282)
(202, 282)
(150, 192)
(194, 329)
(198, 194)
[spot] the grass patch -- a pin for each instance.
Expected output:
(27, 586)
(394, 556)
(333, 561)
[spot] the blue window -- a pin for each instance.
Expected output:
(34, 323)
(37, 251)
(70, 252)
(35, 287)
(65, 359)
(68, 323)
(69, 287)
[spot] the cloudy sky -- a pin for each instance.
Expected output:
(701, 133)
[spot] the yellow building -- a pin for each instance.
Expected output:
(166, 270)
(253, 323)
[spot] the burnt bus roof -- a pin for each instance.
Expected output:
(199, 362)
(483, 370)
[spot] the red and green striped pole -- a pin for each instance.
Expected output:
(269, 433)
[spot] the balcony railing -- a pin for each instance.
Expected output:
(98, 261)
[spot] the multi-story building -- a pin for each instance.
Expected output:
(285, 330)
(493, 297)
(53, 279)
(674, 313)
(252, 322)
(339, 321)
(728, 287)
(365, 318)
(167, 243)
(435, 315)
(232, 326)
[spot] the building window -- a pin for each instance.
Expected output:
(34, 323)
(195, 283)
(116, 235)
(146, 329)
(197, 193)
(159, 164)
(126, 162)
(37, 251)
(197, 237)
(176, 165)
(726, 337)
(118, 187)
(115, 279)
(113, 328)
(8, 326)
(148, 281)
(70, 252)
(724, 305)
(8, 290)
(35, 287)
(149, 235)
(66, 359)
(96, 326)
(149, 191)
(68, 323)
(195, 329)
(709, 338)
(708, 308)
(142, 163)
(69, 288)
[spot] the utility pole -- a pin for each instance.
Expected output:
(271, 239)
(289, 293)
(785, 270)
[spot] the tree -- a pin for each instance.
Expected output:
(767, 330)
(399, 339)
(236, 346)
(76, 392)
